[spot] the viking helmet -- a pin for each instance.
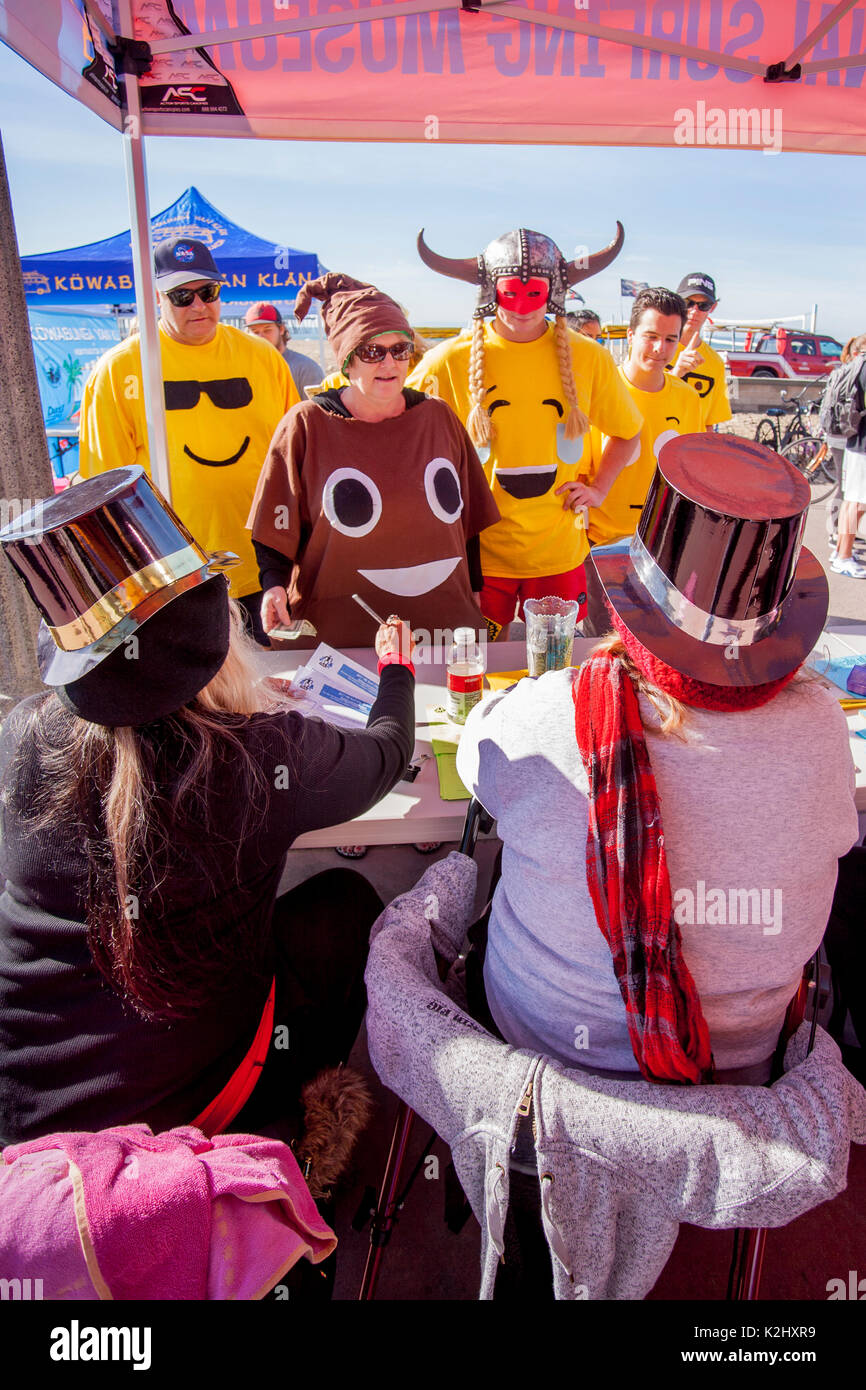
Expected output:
(523, 253)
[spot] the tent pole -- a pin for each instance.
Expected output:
(27, 474)
(815, 35)
(142, 260)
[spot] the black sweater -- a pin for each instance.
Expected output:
(72, 1055)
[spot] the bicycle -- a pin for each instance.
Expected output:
(813, 458)
(803, 424)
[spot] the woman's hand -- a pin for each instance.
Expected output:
(394, 638)
(578, 495)
(275, 608)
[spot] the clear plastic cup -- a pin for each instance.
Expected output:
(550, 626)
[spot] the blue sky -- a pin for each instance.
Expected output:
(778, 232)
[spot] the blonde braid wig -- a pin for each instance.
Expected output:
(576, 422)
(479, 426)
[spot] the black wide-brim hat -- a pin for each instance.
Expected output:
(717, 583)
(135, 618)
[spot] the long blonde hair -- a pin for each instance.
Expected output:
(479, 425)
(672, 713)
(108, 780)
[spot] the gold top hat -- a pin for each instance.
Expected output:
(99, 560)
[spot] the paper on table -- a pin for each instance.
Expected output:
(328, 701)
(846, 672)
(342, 671)
(445, 736)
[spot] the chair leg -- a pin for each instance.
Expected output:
(385, 1216)
(746, 1261)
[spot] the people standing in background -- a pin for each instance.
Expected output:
(266, 321)
(668, 407)
(695, 362)
(585, 321)
(528, 391)
(853, 506)
(225, 394)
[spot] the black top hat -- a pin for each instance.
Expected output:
(100, 561)
(717, 583)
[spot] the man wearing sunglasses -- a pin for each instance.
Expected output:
(696, 363)
(225, 393)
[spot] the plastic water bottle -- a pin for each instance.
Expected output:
(464, 675)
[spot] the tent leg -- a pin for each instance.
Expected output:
(142, 260)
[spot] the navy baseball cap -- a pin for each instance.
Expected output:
(181, 260)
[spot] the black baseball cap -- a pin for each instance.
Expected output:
(181, 260)
(698, 283)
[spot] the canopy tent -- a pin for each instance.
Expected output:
(672, 72)
(102, 272)
(628, 72)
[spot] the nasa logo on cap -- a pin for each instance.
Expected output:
(182, 252)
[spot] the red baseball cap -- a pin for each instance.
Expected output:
(262, 313)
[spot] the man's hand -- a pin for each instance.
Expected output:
(689, 359)
(275, 608)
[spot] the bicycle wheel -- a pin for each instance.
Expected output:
(807, 456)
(767, 434)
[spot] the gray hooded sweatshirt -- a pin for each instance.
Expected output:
(620, 1163)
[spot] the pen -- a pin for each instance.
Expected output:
(367, 609)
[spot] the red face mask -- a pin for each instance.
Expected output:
(520, 298)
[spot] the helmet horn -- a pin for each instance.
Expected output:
(599, 260)
(445, 265)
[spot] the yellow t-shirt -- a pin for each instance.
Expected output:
(218, 437)
(709, 382)
(530, 457)
(328, 383)
(676, 409)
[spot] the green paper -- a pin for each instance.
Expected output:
(450, 786)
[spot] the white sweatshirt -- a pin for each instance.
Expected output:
(757, 806)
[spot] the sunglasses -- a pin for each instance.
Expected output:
(231, 394)
(182, 298)
(700, 304)
(375, 352)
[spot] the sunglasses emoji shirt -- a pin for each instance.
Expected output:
(381, 509)
(223, 401)
(530, 456)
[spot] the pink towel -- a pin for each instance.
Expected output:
(172, 1215)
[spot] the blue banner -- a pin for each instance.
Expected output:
(65, 347)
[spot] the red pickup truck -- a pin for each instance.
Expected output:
(784, 352)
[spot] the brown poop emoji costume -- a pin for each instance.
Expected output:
(382, 509)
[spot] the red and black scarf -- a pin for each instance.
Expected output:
(626, 866)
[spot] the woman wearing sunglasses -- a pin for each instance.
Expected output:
(369, 488)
